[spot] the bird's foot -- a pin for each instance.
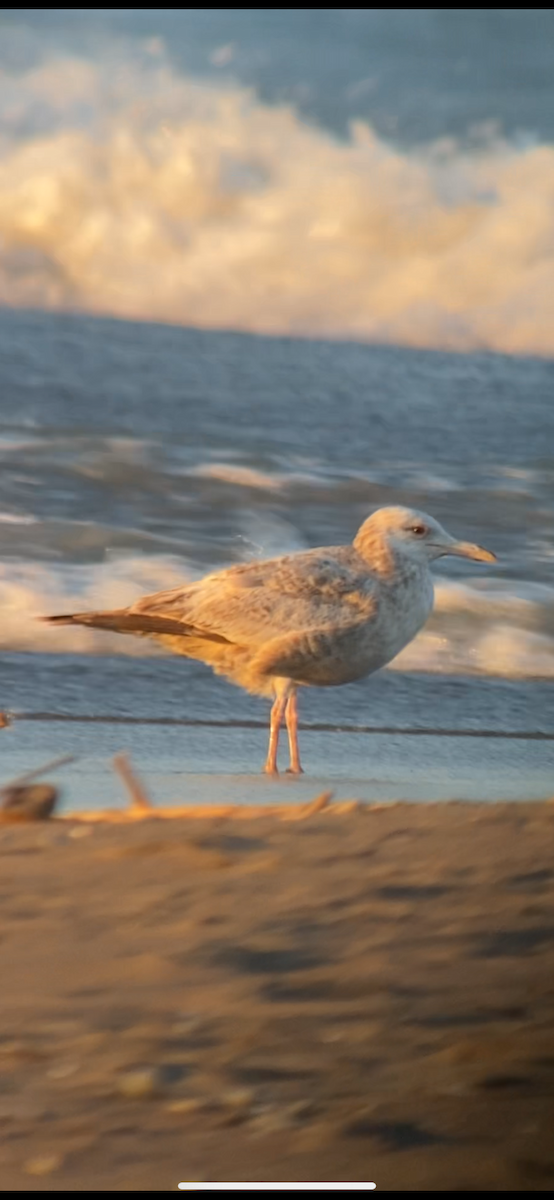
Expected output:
(294, 771)
(271, 772)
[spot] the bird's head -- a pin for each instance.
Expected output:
(414, 535)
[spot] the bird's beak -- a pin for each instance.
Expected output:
(469, 550)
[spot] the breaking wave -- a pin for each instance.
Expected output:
(131, 190)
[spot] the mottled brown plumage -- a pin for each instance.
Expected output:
(317, 618)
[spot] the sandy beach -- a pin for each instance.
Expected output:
(355, 994)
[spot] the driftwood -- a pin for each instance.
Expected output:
(36, 771)
(34, 803)
(140, 801)
(141, 805)
(21, 802)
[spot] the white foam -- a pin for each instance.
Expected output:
(240, 476)
(140, 193)
(504, 651)
(29, 590)
(486, 628)
(8, 518)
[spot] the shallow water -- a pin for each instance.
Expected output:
(207, 766)
(196, 740)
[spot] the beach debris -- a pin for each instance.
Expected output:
(34, 803)
(140, 801)
(238, 1099)
(236, 1105)
(271, 1118)
(188, 1105)
(19, 802)
(301, 1110)
(36, 771)
(347, 806)
(322, 801)
(242, 812)
(298, 813)
(140, 1083)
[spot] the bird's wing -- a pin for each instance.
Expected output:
(249, 604)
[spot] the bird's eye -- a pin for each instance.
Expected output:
(420, 530)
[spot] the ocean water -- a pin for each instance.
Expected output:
(261, 272)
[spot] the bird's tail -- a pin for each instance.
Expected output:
(121, 620)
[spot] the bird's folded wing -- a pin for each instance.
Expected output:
(328, 655)
(250, 604)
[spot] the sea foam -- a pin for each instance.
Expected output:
(127, 188)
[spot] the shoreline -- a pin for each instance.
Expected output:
(362, 994)
(221, 767)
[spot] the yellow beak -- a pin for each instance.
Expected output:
(469, 550)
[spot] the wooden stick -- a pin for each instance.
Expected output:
(243, 812)
(322, 801)
(347, 806)
(140, 801)
(300, 811)
(48, 766)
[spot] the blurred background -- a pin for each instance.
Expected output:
(260, 272)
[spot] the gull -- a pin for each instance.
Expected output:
(316, 618)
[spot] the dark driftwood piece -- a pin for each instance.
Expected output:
(33, 803)
(22, 801)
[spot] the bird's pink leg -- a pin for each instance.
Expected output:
(275, 721)
(291, 717)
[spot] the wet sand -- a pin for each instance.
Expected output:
(360, 994)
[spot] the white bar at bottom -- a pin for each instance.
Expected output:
(276, 1187)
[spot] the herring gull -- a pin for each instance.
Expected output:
(318, 618)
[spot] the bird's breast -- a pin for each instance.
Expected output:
(403, 611)
(352, 653)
